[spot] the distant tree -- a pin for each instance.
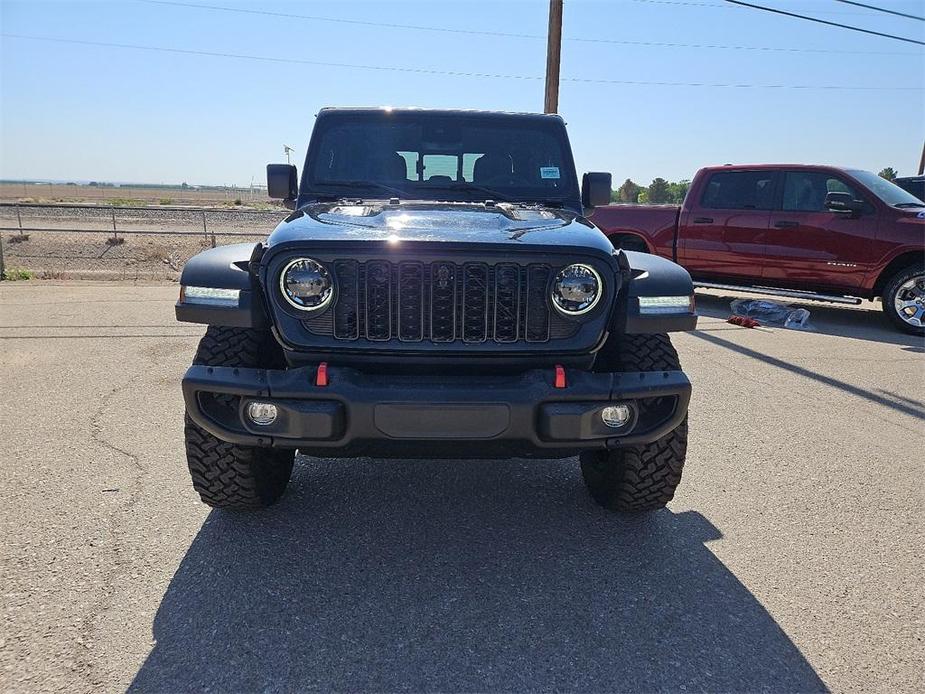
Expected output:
(659, 191)
(643, 197)
(678, 190)
(628, 192)
(184, 185)
(889, 173)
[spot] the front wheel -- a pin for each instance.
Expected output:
(904, 299)
(226, 475)
(638, 478)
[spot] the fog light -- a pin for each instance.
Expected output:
(262, 413)
(617, 416)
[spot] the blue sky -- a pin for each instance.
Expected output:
(71, 111)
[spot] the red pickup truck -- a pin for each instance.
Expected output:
(812, 232)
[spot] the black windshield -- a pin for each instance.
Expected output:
(440, 156)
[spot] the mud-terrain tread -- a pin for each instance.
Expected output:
(638, 478)
(224, 474)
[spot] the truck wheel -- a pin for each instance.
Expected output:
(226, 475)
(904, 299)
(638, 478)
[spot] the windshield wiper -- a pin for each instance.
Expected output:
(495, 195)
(368, 184)
(473, 188)
(909, 204)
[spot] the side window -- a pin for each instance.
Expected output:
(411, 165)
(468, 168)
(805, 191)
(739, 190)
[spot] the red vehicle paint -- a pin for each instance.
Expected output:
(776, 226)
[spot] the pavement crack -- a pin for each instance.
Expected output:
(86, 664)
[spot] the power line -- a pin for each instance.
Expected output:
(448, 73)
(825, 21)
(881, 9)
(717, 6)
(509, 35)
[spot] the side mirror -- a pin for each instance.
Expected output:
(282, 182)
(595, 189)
(843, 202)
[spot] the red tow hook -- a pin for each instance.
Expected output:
(321, 376)
(560, 376)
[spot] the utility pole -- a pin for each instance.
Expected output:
(922, 161)
(553, 49)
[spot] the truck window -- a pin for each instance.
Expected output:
(805, 191)
(739, 190)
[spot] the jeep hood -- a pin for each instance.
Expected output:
(505, 224)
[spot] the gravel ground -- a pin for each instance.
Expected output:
(791, 559)
(63, 255)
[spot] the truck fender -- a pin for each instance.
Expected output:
(222, 268)
(659, 294)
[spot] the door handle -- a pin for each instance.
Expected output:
(786, 224)
(703, 220)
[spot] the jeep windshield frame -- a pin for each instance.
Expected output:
(435, 156)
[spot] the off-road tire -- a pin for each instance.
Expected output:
(889, 295)
(638, 478)
(226, 475)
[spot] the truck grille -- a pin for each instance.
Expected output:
(441, 302)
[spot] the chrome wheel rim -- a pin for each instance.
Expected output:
(909, 301)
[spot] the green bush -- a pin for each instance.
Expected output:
(13, 274)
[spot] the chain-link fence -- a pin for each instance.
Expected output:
(81, 241)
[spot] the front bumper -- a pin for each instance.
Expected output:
(359, 413)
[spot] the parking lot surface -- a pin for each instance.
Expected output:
(791, 559)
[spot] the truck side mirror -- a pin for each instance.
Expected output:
(595, 190)
(282, 182)
(843, 202)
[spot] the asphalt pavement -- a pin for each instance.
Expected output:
(790, 560)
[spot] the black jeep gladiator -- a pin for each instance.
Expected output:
(438, 291)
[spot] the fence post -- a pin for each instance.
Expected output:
(205, 233)
(115, 234)
(2, 265)
(19, 219)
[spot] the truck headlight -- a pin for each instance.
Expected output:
(577, 289)
(306, 284)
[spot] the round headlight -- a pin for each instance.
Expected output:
(306, 284)
(577, 289)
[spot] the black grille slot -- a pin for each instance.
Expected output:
(537, 304)
(475, 302)
(378, 300)
(346, 308)
(410, 302)
(443, 302)
(507, 302)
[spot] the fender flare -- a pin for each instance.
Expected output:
(651, 277)
(225, 267)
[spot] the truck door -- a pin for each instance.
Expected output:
(811, 247)
(722, 235)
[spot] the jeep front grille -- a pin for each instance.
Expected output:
(441, 302)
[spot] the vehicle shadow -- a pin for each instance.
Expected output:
(449, 575)
(840, 321)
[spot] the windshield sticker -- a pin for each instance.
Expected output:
(549, 172)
